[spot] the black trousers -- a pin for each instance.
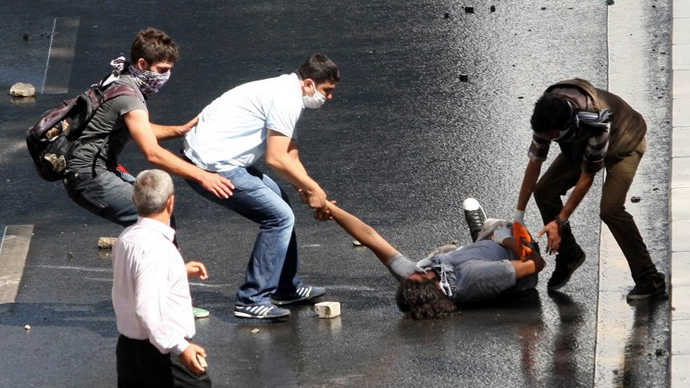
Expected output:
(141, 365)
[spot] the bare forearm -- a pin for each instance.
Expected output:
(164, 132)
(581, 189)
(511, 245)
(166, 160)
(363, 233)
(524, 268)
(528, 182)
(292, 172)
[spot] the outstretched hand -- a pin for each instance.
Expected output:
(522, 239)
(553, 232)
(324, 214)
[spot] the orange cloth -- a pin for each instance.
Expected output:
(522, 237)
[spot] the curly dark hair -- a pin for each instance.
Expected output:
(551, 111)
(423, 300)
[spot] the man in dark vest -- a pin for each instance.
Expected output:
(595, 129)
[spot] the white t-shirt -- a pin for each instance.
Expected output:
(232, 130)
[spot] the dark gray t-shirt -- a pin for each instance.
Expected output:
(483, 270)
(106, 135)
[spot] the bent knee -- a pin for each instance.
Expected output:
(609, 213)
(281, 219)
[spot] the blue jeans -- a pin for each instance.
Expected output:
(273, 266)
(108, 195)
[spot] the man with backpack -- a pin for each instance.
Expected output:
(94, 179)
(595, 129)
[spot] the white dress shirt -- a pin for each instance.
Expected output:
(150, 287)
(232, 130)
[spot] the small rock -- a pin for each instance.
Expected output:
(635, 199)
(609, 2)
(106, 242)
(492, 8)
(25, 36)
(254, 331)
(327, 309)
(356, 243)
(520, 97)
(469, 9)
(543, 8)
(27, 327)
(455, 242)
(464, 78)
(202, 361)
(70, 256)
(615, 371)
(446, 15)
(659, 352)
(21, 89)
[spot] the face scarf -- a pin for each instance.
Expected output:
(444, 270)
(600, 120)
(149, 82)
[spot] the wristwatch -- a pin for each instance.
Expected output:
(563, 223)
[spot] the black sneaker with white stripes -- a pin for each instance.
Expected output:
(260, 311)
(301, 294)
(474, 215)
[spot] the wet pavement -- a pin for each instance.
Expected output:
(433, 107)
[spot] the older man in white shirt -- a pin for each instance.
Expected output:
(151, 296)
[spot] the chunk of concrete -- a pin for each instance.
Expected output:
(106, 242)
(327, 309)
(21, 89)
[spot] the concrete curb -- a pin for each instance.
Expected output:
(623, 340)
(680, 198)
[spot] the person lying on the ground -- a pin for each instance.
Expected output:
(436, 286)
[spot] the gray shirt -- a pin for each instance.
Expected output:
(106, 134)
(483, 270)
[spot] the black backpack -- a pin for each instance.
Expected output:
(51, 139)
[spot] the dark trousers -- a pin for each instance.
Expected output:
(108, 195)
(563, 175)
(141, 365)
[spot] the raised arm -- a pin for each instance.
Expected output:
(363, 233)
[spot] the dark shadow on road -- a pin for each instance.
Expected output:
(646, 345)
(98, 317)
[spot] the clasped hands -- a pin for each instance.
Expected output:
(318, 202)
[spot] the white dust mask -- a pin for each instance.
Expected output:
(315, 101)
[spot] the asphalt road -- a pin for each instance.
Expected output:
(404, 141)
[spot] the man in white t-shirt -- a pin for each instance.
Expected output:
(250, 121)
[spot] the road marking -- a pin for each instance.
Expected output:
(13, 251)
(63, 40)
(88, 269)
